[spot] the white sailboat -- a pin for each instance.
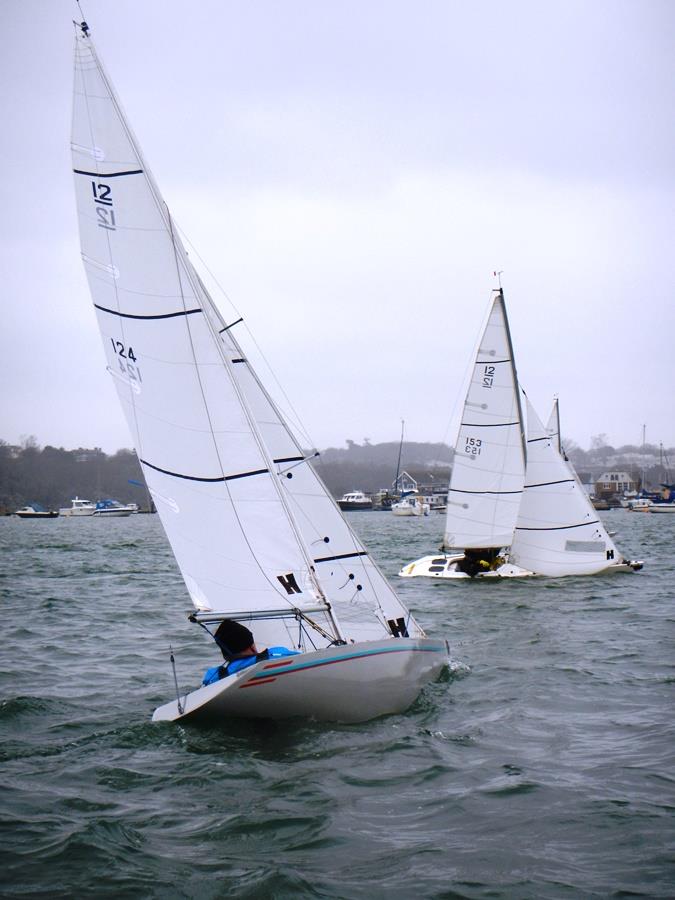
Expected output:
(411, 505)
(255, 533)
(558, 532)
(488, 468)
(515, 507)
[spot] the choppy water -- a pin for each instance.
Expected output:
(541, 768)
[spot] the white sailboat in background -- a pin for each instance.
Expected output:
(515, 506)
(488, 469)
(558, 532)
(255, 533)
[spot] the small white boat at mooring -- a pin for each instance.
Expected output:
(79, 507)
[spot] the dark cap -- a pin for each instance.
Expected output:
(233, 637)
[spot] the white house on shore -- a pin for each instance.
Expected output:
(610, 483)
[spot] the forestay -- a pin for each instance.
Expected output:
(488, 467)
(558, 531)
(215, 453)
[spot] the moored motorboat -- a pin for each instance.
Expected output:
(106, 509)
(36, 511)
(79, 507)
(354, 500)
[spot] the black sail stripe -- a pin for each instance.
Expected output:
(547, 483)
(241, 359)
(496, 425)
(558, 527)
(114, 312)
(200, 478)
(341, 556)
(534, 440)
(286, 459)
(460, 491)
(491, 362)
(109, 174)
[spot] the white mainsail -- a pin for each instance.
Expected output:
(558, 532)
(489, 462)
(215, 452)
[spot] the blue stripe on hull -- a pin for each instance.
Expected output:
(273, 672)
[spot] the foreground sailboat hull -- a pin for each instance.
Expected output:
(350, 683)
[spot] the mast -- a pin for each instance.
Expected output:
(642, 476)
(523, 438)
(398, 462)
(557, 426)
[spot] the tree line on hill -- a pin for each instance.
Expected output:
(52, 476)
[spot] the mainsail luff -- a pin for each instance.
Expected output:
(489, 462)
(189, 342)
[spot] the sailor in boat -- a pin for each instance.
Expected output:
(238, 647)
(475, 562)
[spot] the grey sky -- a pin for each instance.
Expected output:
(352, 173)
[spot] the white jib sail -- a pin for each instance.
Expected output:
(489, 462)
(220, 495)
(558, 532)
(355, 587)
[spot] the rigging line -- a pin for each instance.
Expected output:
(175, 681)
(297, 419)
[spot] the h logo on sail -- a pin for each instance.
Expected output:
(397, 627)
(289, 582)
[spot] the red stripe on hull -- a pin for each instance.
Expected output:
(256, 682)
